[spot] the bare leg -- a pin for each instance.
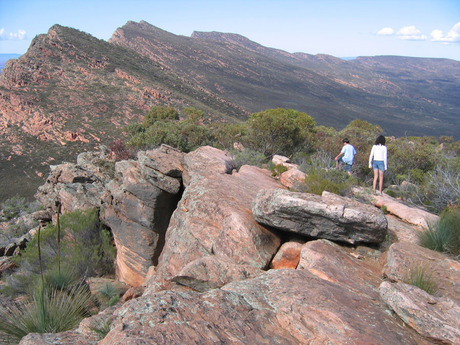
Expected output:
(376, 176)
(380, 181)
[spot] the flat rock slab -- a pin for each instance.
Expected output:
(404, 257)
(328, 216)
(438, 319)
(278, 307)
(408, 214)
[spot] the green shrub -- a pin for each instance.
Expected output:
(103, 328)
(248, 157)
(227, 134)
(420, 278)
(280, 131)
(278, 169)
(442, 185)
(17, 206)
(60, 278)
(444, 235)
(334, 181)
(159, 113)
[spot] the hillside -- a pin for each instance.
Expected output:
(412, 96)
(5, 57)
(71, 91)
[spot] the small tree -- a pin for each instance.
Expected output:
(280, 131)
(159, 113)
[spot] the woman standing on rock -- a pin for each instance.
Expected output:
(378, 160)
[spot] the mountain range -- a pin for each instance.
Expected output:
(71, 91)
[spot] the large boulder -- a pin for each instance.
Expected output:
(142, 198)
(213, 219)
(327, 216)
(403, 258)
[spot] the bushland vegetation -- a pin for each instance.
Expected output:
(423, 171)
(85, 250)
(52, 271)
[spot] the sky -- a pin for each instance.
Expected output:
(342, 28)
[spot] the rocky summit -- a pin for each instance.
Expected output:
(219, 255)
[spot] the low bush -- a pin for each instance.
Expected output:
(248, 157)
(108, 294)
(333, 180)
(86, 250)
(17, 206)
(444, 235)
(120, 151)
(421, 278)
(277, 169)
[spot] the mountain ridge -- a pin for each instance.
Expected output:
(72, 91)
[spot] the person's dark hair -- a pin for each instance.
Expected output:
(380, 140)
(345, 140)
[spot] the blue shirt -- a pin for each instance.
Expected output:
(348, 153)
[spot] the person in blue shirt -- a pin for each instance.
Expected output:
(346, 156)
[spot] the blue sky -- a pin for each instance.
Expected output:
(342, 28)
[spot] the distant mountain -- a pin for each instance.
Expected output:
(412, 96)
(5, 57)
(71, 91)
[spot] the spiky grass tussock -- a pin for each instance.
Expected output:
(421, 277)
(49, 311)
(444, 235)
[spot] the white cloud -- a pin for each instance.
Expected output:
(453, 36)
(20, 35)
(410, 33)
(386, 32)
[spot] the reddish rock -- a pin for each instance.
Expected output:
(404, 257)
(292, 178)
(435, 318)
(278, 307)
(139, 210)
(214, 216)
(410, 215)
(331, 262)
(133, 292)
(288, 256)
(213, 271)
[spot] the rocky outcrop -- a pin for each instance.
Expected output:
(293, 177)
(298, 306)
(403, 258)
(328, 216)
(412, 215)
(213, 220)
(239, 264)
(143, 196)
(76, 186)
(434, 316)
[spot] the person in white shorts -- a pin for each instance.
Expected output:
(378, 160)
